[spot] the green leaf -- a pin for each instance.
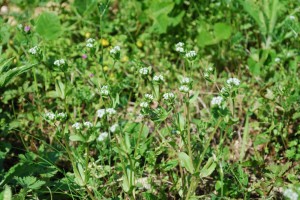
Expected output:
(48, 26)
(5, 77)
(186, 162)
(85, 6)
(30, 182)
(204, 38)
(222, 31)
(171, 164)
(6, 194)
(76, 138)
(208, 168)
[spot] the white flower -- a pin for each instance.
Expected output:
(62, 61)
(292, 17)
(179, 49)
(168, 96)
(113, 128)
(185, 80)
(216, 101)
(144, 71)
(33, 50)
(89, 45)
(277, 60)
(143, 182)
(77, 126)
(104, 90)
(115, 50)
(210, 69)
(233, 81)
(184, 88)
(149, 97)
(206, 75)
(179, 44)
(144, 105)
(50, 116)
(289, 193)
(87, 124)
(102, 136)
(110, 111)
(61, 116)
(90, 40)
(59, 62)
(101, 113)
(224, 90)
(158, 78)
(191, 54)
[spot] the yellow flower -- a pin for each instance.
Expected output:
(139, 44)
(112, 76)
(105, 68)
(104, 42)
(87, 35)
(124, 59)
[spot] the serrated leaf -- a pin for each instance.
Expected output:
(186, 162)
(48, 26)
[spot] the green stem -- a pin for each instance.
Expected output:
(188, 126)
(194, 179)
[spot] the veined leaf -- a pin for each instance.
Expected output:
(186, 162)
(48, 26)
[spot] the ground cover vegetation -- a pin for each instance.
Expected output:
(152, 99)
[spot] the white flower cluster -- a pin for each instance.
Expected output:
(59, 62)
(90, 43)
(104, 90)
(289, 193)
(108, 111)
(113, 128)
(277, 60)
(143, 182)
(186, 84)
(233, 82)
(77, 126)
(51, 116)
(34, 50)
(102, 136)
(217, 101)
(184, 89)
(292, 17)
(186, 81)
(191, 54)
(158, 78)
(144, 104)
(115, 50)
(144, 71)
(179, 47)
(87, 124)
(168, 96)
(149, 97)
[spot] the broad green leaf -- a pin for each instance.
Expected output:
(85, 6)
(186, 162)
(205, 38)
(48, 26)
(222, 31)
